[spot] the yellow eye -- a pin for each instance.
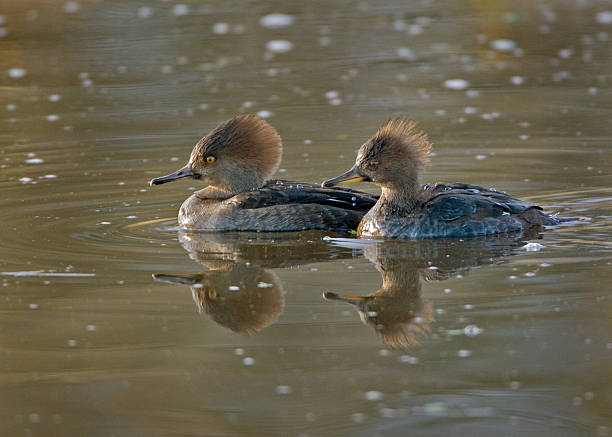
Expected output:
(210, 159)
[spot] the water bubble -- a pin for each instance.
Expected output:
(408, 359)
(565, 53)
(91, 328)
(533, 247)
(25, 180)
(503, 45)
(248, 361)
(33, 306)
(604, 17)
(220, 28)
(72, 343)
(276, 21)
(71, 7)
(373, 395)
(279, 46)
(406, 53)
(480, 157)
(238, 351)
(472, 330)
(358, 417)
(233, 288)
(17, 73)
(34, 161)
(144, 12)
(516, 80)
(283, 389)
(180, 10)
(264, 114)
(464, 353)
(456, 84)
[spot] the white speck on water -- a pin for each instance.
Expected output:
(34, 417)
(87, 83)
(472, 93)
(604, 17)
(276, 21)
(11, 107)
(524, 137)
(503, 45)
(221, 28)
(71, 7)
(104, 223)
(335, 102)
(324, 41)
(566, 53)
(592, 91)
(589, 396)
(358, 417)
(83, 75)
(464, 353)
(468, 306)
(54, 98)
(50, 176)
(91, 328)
(2, 19)
(533, 247)
(144, 12)
(174, 159)
(472, 330)
(33, 306)
(3, 32)
(373, 395)
(314, 269)
(283, 389)
(233, 288)
(40, 273)
(512, 277)
(415, 29)
(332, 94)
(262, 284)
(25, 180)
(406, 53)
(408, 359)
(279, 46)
(121, 183)
(72, 343)
(480, 157)
(456, 84)
(515, 385)
(17, 73)
(529, 274)
(372, 314)
(470, 110)
(167, 69)
(545, 265)
(447, 291)
(52, 117)
(517, 80)
(180, 10)
(238, 351)
(131, 217)
(248, 361)
(307, 142)
(264, 114)
(203, 106)
(383, 353)
(34, 161)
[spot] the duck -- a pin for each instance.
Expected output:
(393, 159)
(236, 162)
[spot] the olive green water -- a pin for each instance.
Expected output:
(112, 323)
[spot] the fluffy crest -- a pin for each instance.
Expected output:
(399, 138)
(246, 139)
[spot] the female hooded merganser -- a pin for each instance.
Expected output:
(393, 158)
(236, 161)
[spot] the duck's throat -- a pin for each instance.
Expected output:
(398, 200)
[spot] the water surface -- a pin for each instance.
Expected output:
(115, 323)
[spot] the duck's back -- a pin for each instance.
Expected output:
(458, 210)
(279, 206)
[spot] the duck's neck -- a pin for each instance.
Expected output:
(399, 198)
(243, 180)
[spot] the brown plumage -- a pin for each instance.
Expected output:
(393, 159)
(235, 161)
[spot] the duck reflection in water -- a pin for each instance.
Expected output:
(398, 311)
(238, 290)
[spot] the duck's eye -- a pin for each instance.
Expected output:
(210, 159)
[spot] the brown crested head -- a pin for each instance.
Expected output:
(393, 156)
(238, 155)
(398, 147)
(244, 139)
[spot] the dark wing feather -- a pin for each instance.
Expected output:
(276, 193)
(456, 201)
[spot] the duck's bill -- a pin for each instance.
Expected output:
(349, 177)
(343, 297)
(185, 172)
